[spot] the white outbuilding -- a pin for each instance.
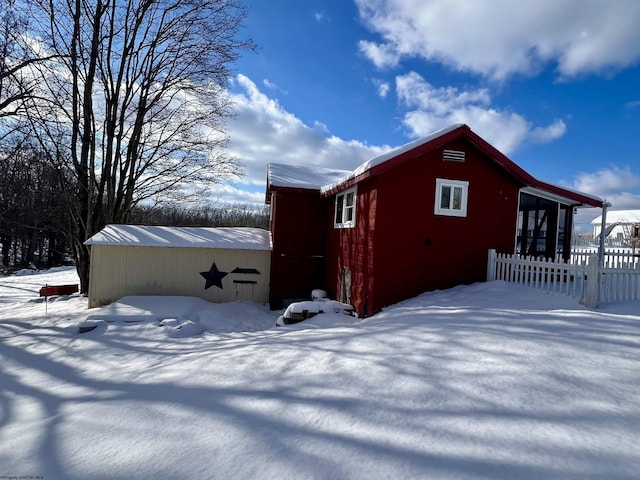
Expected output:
(621, 229)
(216, 264)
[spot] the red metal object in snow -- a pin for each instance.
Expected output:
(50, 290)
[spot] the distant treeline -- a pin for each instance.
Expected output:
(31, 211)
(203, 216)
(34, 217)
(31, 236)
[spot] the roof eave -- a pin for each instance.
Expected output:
(397, 161)
(514, 170)
(276, 188)
(567, 197)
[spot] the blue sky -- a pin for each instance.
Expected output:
(553, 85)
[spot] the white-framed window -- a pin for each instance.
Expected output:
(345, 209)
(451, 197)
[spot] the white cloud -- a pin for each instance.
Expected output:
(415, 91)
(238, 194)
(263, 132)
(321, 16)
(272, 86)
(383, 55)
(620, 186)
(382, 87)
(432, 108)
(502, 37)
(321, 127)
(549, 133)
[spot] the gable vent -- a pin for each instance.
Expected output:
(453, 156)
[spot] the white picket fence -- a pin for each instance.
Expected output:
(613, 258)
(581, 278)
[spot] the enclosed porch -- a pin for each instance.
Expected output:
(545, 223)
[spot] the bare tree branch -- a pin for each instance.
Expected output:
(138, 88)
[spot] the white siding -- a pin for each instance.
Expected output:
(118, 271)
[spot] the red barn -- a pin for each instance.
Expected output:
(418, 218)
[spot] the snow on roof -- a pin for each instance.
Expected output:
(302, 176)
(619, 216)
(597, 199)
(326, 180)
(369, 164)
(237, 238)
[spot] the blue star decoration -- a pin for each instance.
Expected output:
(213, 277)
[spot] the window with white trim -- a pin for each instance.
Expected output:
(451, 197)
(345, 209)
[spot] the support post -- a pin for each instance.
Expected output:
(491, 265)
(603, 229)
(593, 281)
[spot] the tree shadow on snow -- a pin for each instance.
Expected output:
(433, 394)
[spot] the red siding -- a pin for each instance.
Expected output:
(352, 249)
(416, 250)
(298, 235)
(399, 247)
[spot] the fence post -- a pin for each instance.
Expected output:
(491, 265)
(593, 281)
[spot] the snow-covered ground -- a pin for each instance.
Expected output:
(488, 381)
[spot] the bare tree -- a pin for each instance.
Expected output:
(138, 88)
(18, 53)
(13, 58)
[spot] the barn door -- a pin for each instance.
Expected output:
(245, 291)
(345, 286)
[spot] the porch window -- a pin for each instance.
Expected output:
(451, 197)
(544, 227)
(345, 212)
